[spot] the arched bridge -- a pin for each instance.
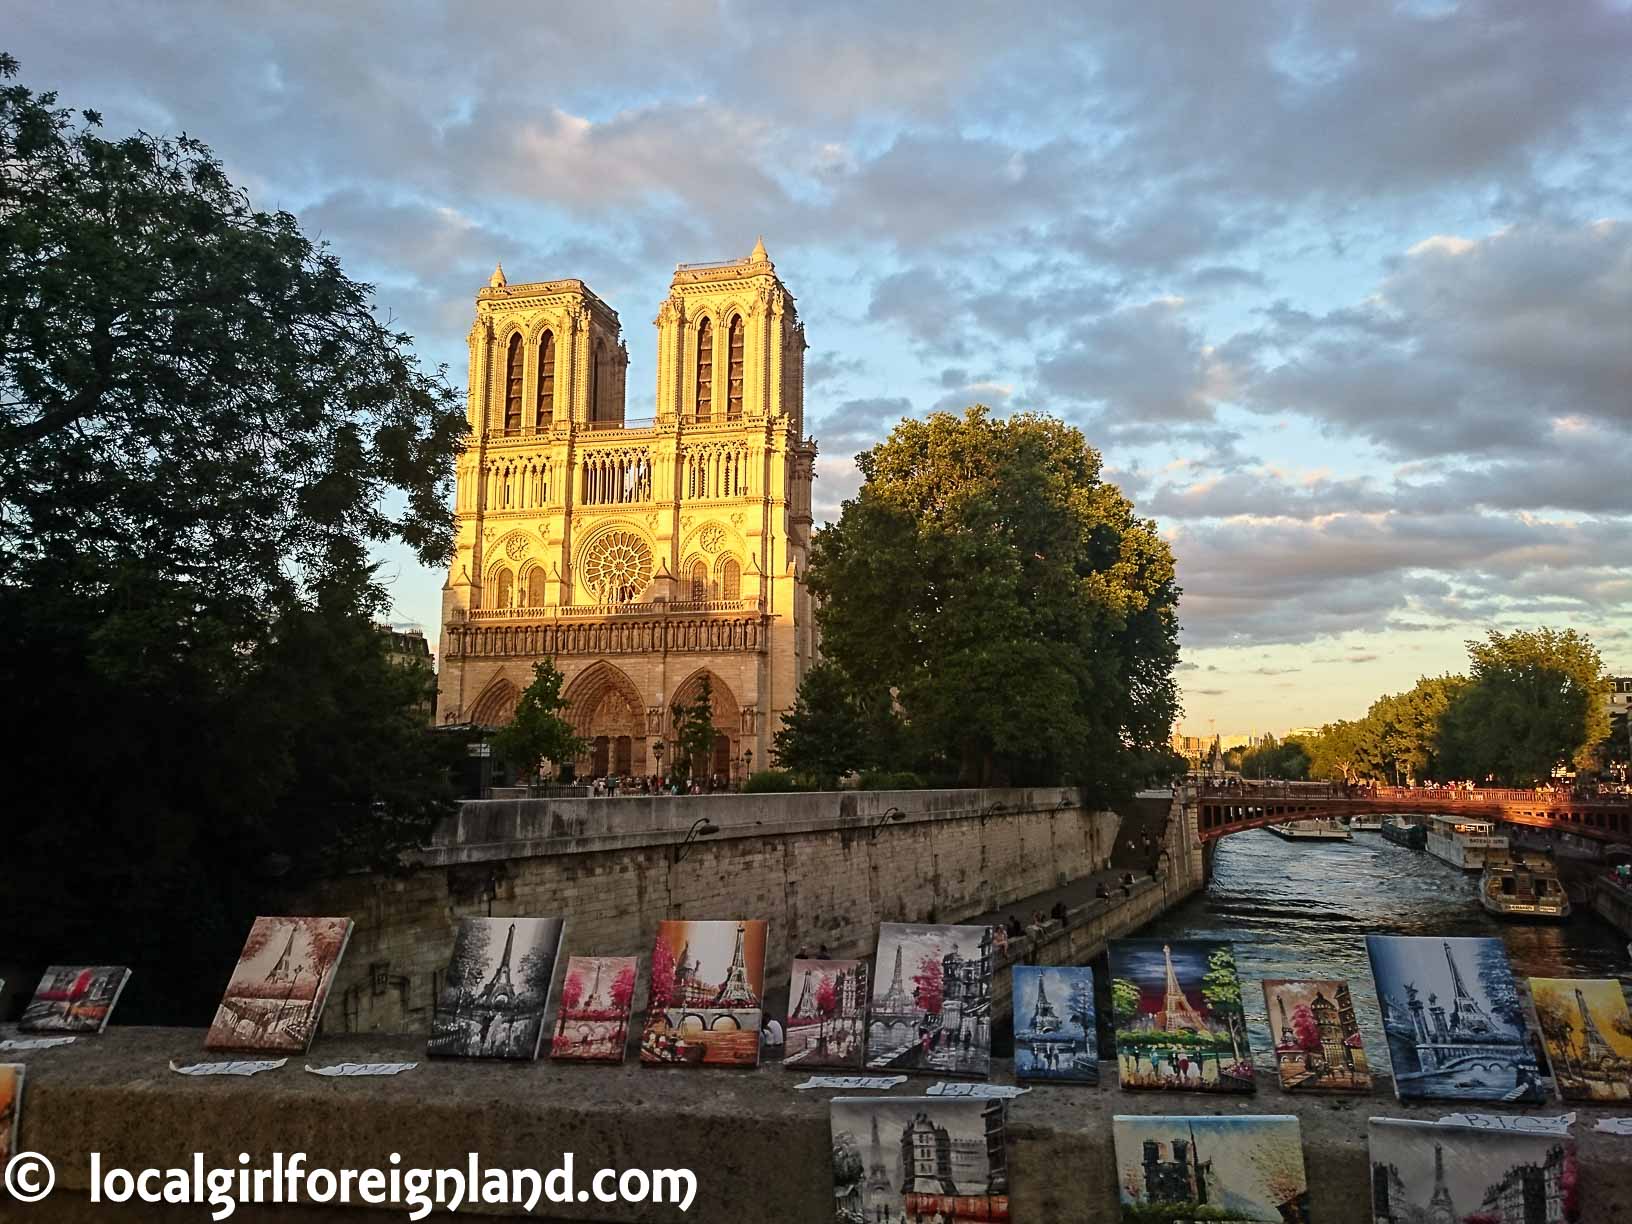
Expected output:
(1252, 805)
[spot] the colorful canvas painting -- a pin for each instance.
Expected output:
(1209, 1168)
(1427, 1172)
(1587, 1032)
(919, 1159)
(1177, 1013)
(932, 999)
(275, 998)
(1456, 1028)
(11, 1108)
(708, 984)
(592, 1022)
(1317, 1038)
(826, 1002)
(1054, 1035)
(496, 989)
(75, 999)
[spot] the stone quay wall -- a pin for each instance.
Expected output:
(760, 1149)
(822, 868)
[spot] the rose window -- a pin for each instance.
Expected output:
(618, 567)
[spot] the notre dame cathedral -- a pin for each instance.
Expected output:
(640, 555)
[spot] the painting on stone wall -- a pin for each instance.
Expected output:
(275, 997)
(1176, 1011)
(75, 999)
(708, 989)
(1317, 1036)
(592, 1021)
(1587, 1033)
(11, 1108)
(1219, 1168)
(826, 1002)
(1422, 1172)
(919, 1159)
(932, 999)
(1054, 1030)
(496, 988)
(1455, 1024)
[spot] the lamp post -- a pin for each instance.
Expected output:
(701, 827)
(887, 815)
(747, 763)
(657, 754)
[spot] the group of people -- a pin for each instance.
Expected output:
(654, 784)
(1039, 923)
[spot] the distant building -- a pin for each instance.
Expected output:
(406, 645)
(1175, 1172)
(1529, 1194)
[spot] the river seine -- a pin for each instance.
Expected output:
(1303, 909)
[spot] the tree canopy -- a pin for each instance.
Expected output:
(540, 731)
(1019, 613)
(204, 428)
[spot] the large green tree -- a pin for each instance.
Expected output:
(1534, 701)
(1021, 613)
(540, 731)
(833, 730)
(204, 428)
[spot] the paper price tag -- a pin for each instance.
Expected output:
(982, 1091)
(1559, 1125)
(244, 1067)
(35, 1043)
(358, 1069)
(852, 1081)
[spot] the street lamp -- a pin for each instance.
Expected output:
(699, 828)
(747, 761)
(657, 753)
(889, 814)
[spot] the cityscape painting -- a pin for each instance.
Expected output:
(826, 1001)
(919, 1159)
(74, 999)
(1427, 1172)
(11, 1108)
(1587, 1033)
(1317, 1037)
(1176, 1009)
(1054, 1033)
(1172, 1169)
(1456, 1028)
(708, 984)
(493, 997)
(275, 997)
(932, 999)
(592, 1022)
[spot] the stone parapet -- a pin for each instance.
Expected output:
(760, 1149)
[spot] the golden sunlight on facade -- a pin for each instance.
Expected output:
(640, 555)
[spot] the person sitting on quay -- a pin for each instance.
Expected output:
(1060, 913)
(1101, 892)
(1016, 931)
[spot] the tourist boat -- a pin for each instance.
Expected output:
(1520, 885)
(1404, 833)
(1365, 824)
(1324, 828)
(1464, 843)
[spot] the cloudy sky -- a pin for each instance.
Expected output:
(1343, 291)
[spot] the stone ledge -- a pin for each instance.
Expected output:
(760, 1149)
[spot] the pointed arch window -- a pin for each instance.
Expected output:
(731, 579)
(733, 399)
(699, 582)
(596, 358)
(705, 371)
(546, 380)
(506, 589)
(512, 393)
(535, 589)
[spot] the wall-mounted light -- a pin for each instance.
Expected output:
(995, 809)
(884, 818)
(699, 828)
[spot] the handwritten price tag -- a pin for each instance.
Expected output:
(852, 1081)
(355, 1069)
(229, 1068)
(982, 1091)
(1559, 1125)
(35, 1043)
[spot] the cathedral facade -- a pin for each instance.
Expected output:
(641, 556)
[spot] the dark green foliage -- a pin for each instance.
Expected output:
(890, 779)
(202, 429)
(694, 733)
(773, 781)
(1020, 614)
(539, 732)
(1284, 759)
(834, 730)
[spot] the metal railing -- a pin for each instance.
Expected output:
(572, 611)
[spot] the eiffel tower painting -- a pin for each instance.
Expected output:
(1587, 1029)
(735, 990)
(282, 979)
(493, 1007)
(707, 980)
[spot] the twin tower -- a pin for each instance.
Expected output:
(643, 556)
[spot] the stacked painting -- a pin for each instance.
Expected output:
(496, 989)
(708, 983)
(1587, 1032)
(1177, 1012)
(75, 999)
(826, 1002)
(275, 997)
(592, 1023)
(932, 999)
(11, 1108)
(1455, 1025)
(1425, 1172)
(1210, 1168)
(919, 1159)
(1054, 1037)
(1317, 1037)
